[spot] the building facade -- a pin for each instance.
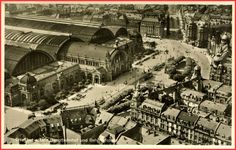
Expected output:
(153, 27)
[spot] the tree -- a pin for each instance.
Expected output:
(119, 108)
(43, 104)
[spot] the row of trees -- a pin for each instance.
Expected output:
(117, 98)
(171, 68)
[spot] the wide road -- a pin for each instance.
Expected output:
(177, 48)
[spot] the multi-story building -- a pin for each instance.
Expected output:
(216, 109)
(153, 27)
(185, 124)
(192, 98)
(222, 73)
(190, 31)
(223, 135)
(205, 131)
(77, 118)
(210, 87)
(202, 34)
(146, 112)
(39, 127)
(217, 92)
(101, 46)
(168, 121)
(223, 94)
(143, 136)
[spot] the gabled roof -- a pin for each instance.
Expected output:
(31, 125)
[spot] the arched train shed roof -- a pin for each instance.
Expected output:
(36, 41)
(84, 33)
(15, 56)
(117, 31)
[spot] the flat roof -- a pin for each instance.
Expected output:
(151, 139)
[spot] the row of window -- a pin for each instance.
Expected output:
(81, 61)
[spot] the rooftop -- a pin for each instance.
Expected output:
(153, 104)
(225, 89)
(224, 131)
(31, 125)
(118, 120)
(172, 112)
(121, 41)
(123, 140)
(188, 92)
(213, 84)
(103, 117)
(85, 32)
(187, 117)
(147, 19)
(51, 69)
(213, 106)
(151, 139)
(92, 51)
(208, 124)
(164, 80)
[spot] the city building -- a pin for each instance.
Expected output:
(223, 94)
(147, 137)
(222, 73)
(78, 118)
(192, 98)
(209, 87)
(205, 131)
(223, 135)
(39, 127)
(185, 125)
(104, 42)
(115, 127)
(216, 109)
(190, 31)
(153, 27)
(168, 121)
(202, 34)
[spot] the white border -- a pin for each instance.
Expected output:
(119, 146)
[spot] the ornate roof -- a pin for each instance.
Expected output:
(28, 79)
